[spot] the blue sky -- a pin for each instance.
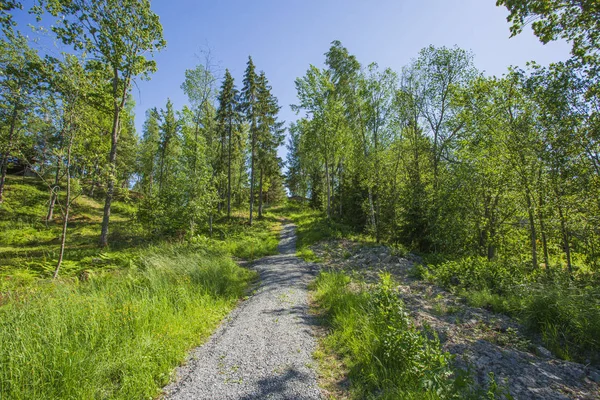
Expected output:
(285, 36)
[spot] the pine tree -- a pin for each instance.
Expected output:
(249, 100)
(269, 136)
(228, 119)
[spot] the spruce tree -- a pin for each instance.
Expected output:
(249, 100)
(227, 119)
(269, 135)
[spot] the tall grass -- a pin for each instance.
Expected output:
(564, 310)
(312, 227)
(117, 335)
(235, 236)
(387, 356)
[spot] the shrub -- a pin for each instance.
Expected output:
(387, 355)
(567, 317)
(479, 273)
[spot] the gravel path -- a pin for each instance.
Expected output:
(264, 348)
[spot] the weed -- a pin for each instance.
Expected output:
(386, 355)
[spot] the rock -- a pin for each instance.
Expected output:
(543, 352)
(414, 258)
(594, 375)
(476, 335)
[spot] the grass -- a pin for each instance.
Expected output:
(118, 335)
(120, 319)
(384, 355)
(246, 242)
(312, 227)
(29, 248)
(564, 311)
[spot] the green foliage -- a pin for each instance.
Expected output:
(117, 335)
(388, 357)
(312, 227)
(563, 311)
(30, 247)
(244, 241)
(575, 22)
(478, 273)
(567, 317)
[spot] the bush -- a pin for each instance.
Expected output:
(564, 310)
(478, 273)
(567, 317)
(387, 355)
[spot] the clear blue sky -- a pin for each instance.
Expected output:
(285, 36)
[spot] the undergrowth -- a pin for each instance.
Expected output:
(312, 227)
(386, 355)
(243, 241)
(118, 320)
(563, 309)
(29, 246)
(117, 335)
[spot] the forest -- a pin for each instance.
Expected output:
(112, 240)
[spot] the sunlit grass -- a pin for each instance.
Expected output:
(117, 335)
(247, 242)
(312, 227)
(29, 246)
(384, 355)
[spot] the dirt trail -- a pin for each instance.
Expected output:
(264, 348)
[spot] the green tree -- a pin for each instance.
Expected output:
(20, 81)
(228, 121)
(248, 105)
(577, 22)
(117, 35)
(269, 137)
(147, 161)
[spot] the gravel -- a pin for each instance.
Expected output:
(264, 348)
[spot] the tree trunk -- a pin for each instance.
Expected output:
(341, 187)
(532, 230)
(54, 192)
(543, 223)
(229, 175)
(252, 146)
(260, 195)
(565, 235)
(94, 182)
(196, 132)
(491, 248)
(118, 104)
(544, 240)
(239, 191)
(111, 178)
(4, 166)
(372, 212)
(327, 178)
(63, 238)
